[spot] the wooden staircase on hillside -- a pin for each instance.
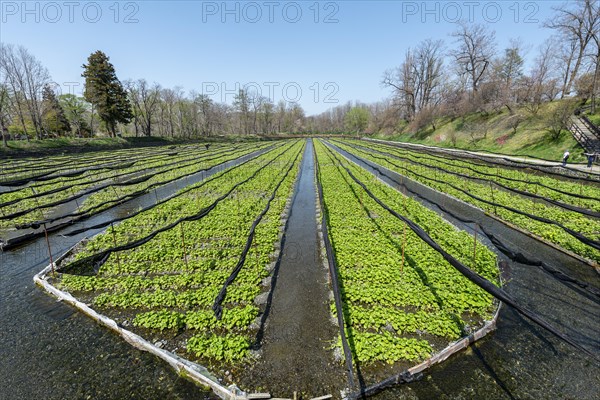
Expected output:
(586, 133)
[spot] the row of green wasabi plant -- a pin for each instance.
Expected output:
(569, 191)
(30, 166)
(165, 170)
(170, 283)
(402, 300)
(139, 163)
(40, 194)
(465, 189)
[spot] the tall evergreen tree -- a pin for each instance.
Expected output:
(54, 119)
(104, 90)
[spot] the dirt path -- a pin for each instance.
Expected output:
(595, 169)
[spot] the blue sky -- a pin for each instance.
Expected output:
(317, 53)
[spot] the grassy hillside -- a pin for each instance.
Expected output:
(493, 132)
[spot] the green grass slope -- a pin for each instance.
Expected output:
(493, 132)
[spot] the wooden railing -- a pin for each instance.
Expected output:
(581, 137)
(590, 125)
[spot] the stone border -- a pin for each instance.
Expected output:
(438, 357)
(460, 344)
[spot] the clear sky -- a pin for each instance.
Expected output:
(318, 53)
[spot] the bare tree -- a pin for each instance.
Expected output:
(476, 48)
(187, 115)
(256, 102)
(540, 85)
(566, 55)
(576, 26)
(267, 114)
(207, 114)
(403, 83)
(166, 103)
(36, 77)
(224, 118)
(584, 86)
(16, 102)
(295, 117)
(508, 73)
(4, 113)
(593, 25)
(242, 104)
(417, 81)
(27, 77)
(559, 119)
(179, 111)
(145, 101)
(280, 115)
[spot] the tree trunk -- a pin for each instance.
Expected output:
(575, 69)
(23, 125)
(4, 133)
(595, 83)
(92, 122)
(563, 90)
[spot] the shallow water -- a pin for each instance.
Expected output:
(298, 335)
(50, 351)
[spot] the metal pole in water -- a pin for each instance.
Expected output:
(493, 200)
(49, 249)
(112, 228)
(183, 244)
(115, 190)
(475, 247)
(403, 246)
(76, 202)
(38, 204)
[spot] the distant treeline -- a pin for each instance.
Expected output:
(435, 79)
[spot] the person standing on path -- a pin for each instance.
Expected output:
(590, 158)
(565, 158)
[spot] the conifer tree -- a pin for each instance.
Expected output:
(106, 93)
